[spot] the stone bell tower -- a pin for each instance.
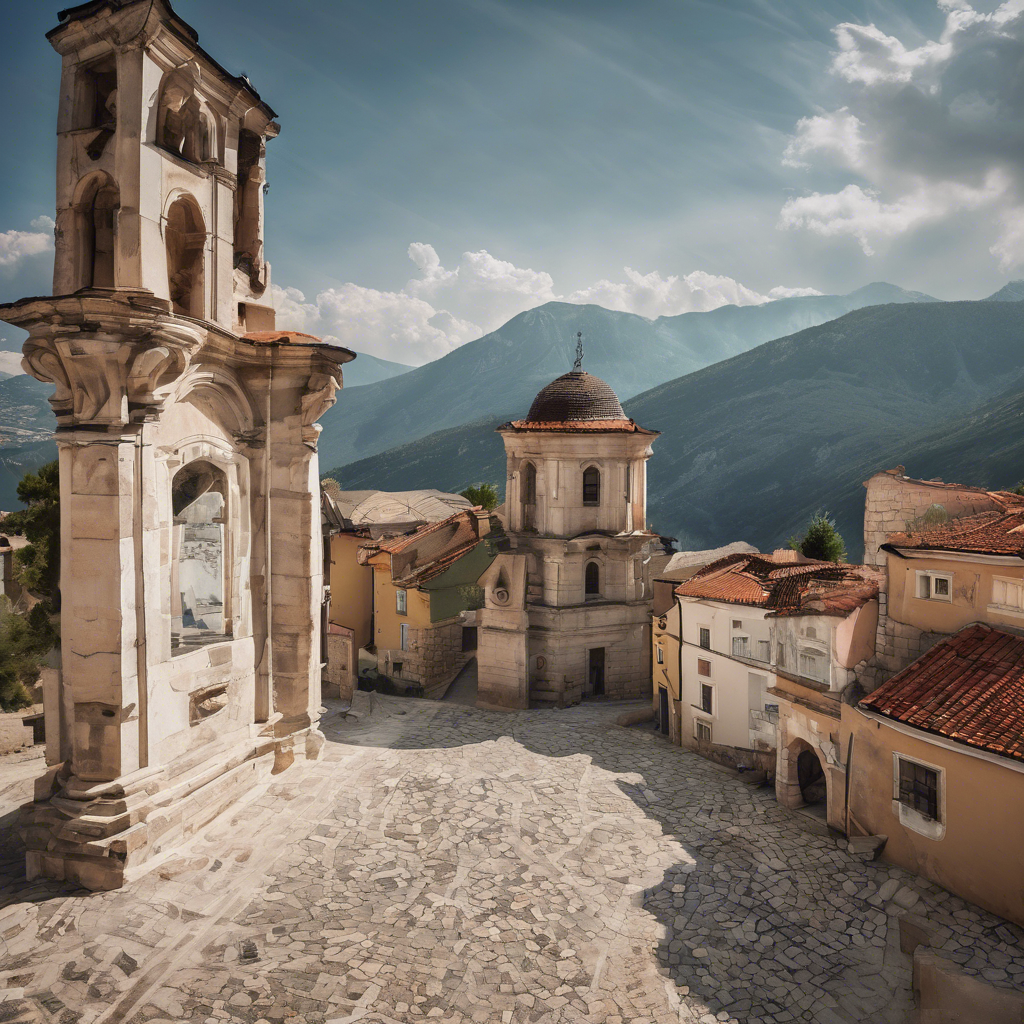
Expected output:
(567, 612)
(191, 578)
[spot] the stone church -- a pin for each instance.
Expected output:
(567, 612)
(191, 584)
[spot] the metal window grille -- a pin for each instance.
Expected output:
(706, 698)
(705, 638)
(919, 789)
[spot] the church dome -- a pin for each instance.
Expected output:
(575, 397)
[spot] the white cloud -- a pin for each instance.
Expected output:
(836, 134)
(860, 213)
(18, 245)
(927, 131)
(1009, 247)
(652, 295)
(781, 292)
(441, 309)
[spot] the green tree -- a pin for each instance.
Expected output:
(24, 641)
(37, 565)
(821, 539)
(484, 495)
(1018, 487)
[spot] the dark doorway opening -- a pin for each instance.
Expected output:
(811, 777)
(596, 671)
(468, 638)
(663, 710)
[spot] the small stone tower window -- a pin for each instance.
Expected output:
(185, 238)
(95, 226)
(528, 489)
(178, 120)
(96, 95)
(591, 486)
(592, 580)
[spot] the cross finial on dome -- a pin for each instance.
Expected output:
(578, 365)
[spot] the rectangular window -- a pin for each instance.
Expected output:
(764, 650)
(396, 668)
(702, 730)
(1008, 594)
(707, 699)
(404, 634)
(935, 586)
(737, 623)
(919, 789)
(811, 665)
(661, 655)
(400, 602)
(703, 667)
(705, 637)
(741, 646)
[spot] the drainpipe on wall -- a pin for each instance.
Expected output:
(679, 648)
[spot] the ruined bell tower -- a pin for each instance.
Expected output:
(186, 427)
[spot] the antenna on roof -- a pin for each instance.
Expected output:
(578, 365)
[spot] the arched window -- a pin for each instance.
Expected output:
(178, 120)
(248, 211)
(95, 231)
(198, 594)
(185, 239)
(592, 580)
(591, 486)
(528, 493)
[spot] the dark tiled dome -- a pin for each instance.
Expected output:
(573, 398)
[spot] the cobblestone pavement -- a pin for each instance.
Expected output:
(447, 864)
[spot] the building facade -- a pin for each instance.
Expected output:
(191, 548)
(567, 610)
(426, 594)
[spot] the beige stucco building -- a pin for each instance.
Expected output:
(191, 545)
(567, 609)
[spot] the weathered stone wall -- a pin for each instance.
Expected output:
(895, 503)
(434, 655)
(339, 674)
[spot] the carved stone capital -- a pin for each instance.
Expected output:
(112, 363)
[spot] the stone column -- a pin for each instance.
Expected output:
(99, 621)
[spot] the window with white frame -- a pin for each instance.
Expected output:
(400, 602)
(703, 667)
(661, 655)
(934, 586)
(740, 644)
(764, 650)
(704, 637)
(917, 794)
(701, 730)
(813, 665)
(1008, 594)
(404, 635)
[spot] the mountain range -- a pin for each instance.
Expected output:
(753, 445)
(499, 374)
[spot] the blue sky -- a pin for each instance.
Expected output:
(444, 164)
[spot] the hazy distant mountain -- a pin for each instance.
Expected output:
(367, 369)
(499, 374)
(1011, 292)
(751, 446)
(26, 432)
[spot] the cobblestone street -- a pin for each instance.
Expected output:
(444, 863)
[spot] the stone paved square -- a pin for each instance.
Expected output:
(447, 864)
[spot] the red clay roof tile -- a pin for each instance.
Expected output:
(968, 688)
(990, 533)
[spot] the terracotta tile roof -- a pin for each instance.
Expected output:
(420, 556)
(968, 688)
(784, 587)
(998, 532)
(580, 426)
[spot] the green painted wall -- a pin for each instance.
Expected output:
(456, 590)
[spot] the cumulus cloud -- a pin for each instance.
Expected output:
(18, 245)
(926, 132)
(440, 309)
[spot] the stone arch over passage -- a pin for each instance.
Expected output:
(803, 776)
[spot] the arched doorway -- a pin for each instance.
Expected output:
(811, 777)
